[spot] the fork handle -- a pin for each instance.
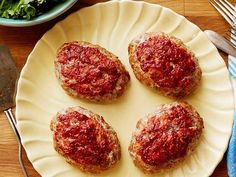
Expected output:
(12, 121)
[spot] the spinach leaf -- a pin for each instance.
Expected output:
(25, 9)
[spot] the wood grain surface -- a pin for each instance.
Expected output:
(22, 40)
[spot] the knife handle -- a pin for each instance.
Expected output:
(12, 121)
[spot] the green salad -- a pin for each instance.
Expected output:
(25, 9)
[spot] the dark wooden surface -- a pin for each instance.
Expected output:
(22, 40)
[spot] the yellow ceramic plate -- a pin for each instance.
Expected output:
(113, 25)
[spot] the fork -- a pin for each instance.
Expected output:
(227, 10)
(231, 37)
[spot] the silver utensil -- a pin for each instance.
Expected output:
(226, 9)
(221, 43)
(8, 80)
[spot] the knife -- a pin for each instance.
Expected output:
(8, 79)
(220, 42)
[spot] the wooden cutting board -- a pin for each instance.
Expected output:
(22, 40)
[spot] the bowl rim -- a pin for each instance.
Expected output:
(47, 16)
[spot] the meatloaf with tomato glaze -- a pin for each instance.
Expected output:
(85, 140)
(89, 71)
(165, 137)
(164, 63)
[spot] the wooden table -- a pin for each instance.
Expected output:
(22, 40)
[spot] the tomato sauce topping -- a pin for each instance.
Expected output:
(82, 139)
(87, 70)
(165, 139)
(169, 65)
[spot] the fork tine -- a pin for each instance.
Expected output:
(232, 32)
(232, 36)
(228, 7)
(222, 13)
(225, 11)
(232, 42)
(231, 5)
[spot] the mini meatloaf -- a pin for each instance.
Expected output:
(164, 63)
(90, 71)
(85, 140)
(164, 138)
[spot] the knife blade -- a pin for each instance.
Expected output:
(220, 42)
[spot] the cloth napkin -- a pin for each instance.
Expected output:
(231, 153)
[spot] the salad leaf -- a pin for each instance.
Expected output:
(25, 9)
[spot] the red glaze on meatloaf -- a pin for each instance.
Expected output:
(164, 63)
(165, 137)
(85, 140)
(90, 71)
